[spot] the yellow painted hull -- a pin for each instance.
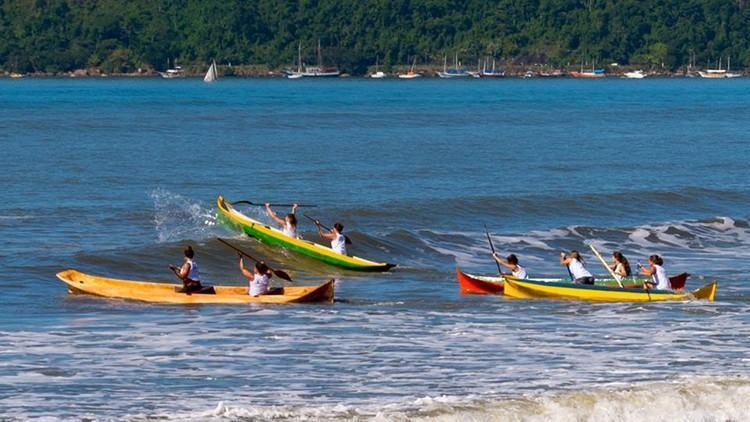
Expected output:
(273, 236)
(81, 283)
(531, 289)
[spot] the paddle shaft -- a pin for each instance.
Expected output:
(604, 263)
(278, 273)
(318, 223)
(492, 248)
(274, 205)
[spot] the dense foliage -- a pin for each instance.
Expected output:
(122, 35)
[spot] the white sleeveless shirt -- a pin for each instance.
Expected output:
(290, 231)
(339, 244)
(660, 278)
(258, 285)
(520, 272)
(578, 270)
(193, 273)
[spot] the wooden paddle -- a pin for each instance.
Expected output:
(318, 223)
(492, 248)
(278, 273)
(273, 205)
(611, 272)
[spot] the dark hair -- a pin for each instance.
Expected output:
(292, 219)
(189, 252)
(619, 257)
(262, 268)
(577, 256)
(339, 227)
(656, 259)
(512, 259)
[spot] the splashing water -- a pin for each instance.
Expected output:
(177, 217)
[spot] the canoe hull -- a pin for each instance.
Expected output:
(272, 236)
(470, 284)
(531, 289)
(80, 283)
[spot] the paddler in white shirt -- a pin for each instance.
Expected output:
(289, 224)
(578, 271)
(511, 263)
(658, 274)
(335, 235)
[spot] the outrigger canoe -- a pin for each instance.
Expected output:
(534, 289)
(273, 236)
(471, 284)
(80, 283)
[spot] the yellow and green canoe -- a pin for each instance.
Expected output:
(534, 289)
(273, 236)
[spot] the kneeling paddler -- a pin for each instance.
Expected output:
(188, 273)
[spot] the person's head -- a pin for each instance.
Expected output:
(575, 255)
(261, 268)
(339, 227)
(291, 219)
(620, 258)
(655, 260)
(512, 259)
(189, 252)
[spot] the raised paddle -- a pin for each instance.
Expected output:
(492, 248)
(318, 223)
(604, 263)
(278, 273)
(273, 205)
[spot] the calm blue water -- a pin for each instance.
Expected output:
(115, 176)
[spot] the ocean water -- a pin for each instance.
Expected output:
(115, 176)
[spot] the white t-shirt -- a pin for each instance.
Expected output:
(258, 285)
(520, 272)
(290, 230)
(577, 269)
(339, 244)
(193, 273)
(660, 278)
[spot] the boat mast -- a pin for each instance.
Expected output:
(320, 56)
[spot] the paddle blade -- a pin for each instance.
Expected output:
(283, 275)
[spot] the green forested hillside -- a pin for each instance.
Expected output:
(122, 35)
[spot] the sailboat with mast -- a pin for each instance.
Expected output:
(455, 71)
(719, 73)
(211, 74)
(320, 71)
(411, 74)
(378, 73)
(491, 73)
(298, 73)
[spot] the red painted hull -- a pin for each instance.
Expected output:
(470, 285)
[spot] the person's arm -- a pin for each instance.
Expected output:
(327, 235)
(564, 259)
(184, 271)
(294, 208)
(244, 270)
(273, 216)
(503, 262)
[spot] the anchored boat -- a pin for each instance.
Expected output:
(273, 236)
(535, 289)
(80, 283)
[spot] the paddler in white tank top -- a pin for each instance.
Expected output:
(511, 263)
(258, 280)
(336, 236)
(188, 272)
(658, 274)
(578, 271)
(289, 224)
